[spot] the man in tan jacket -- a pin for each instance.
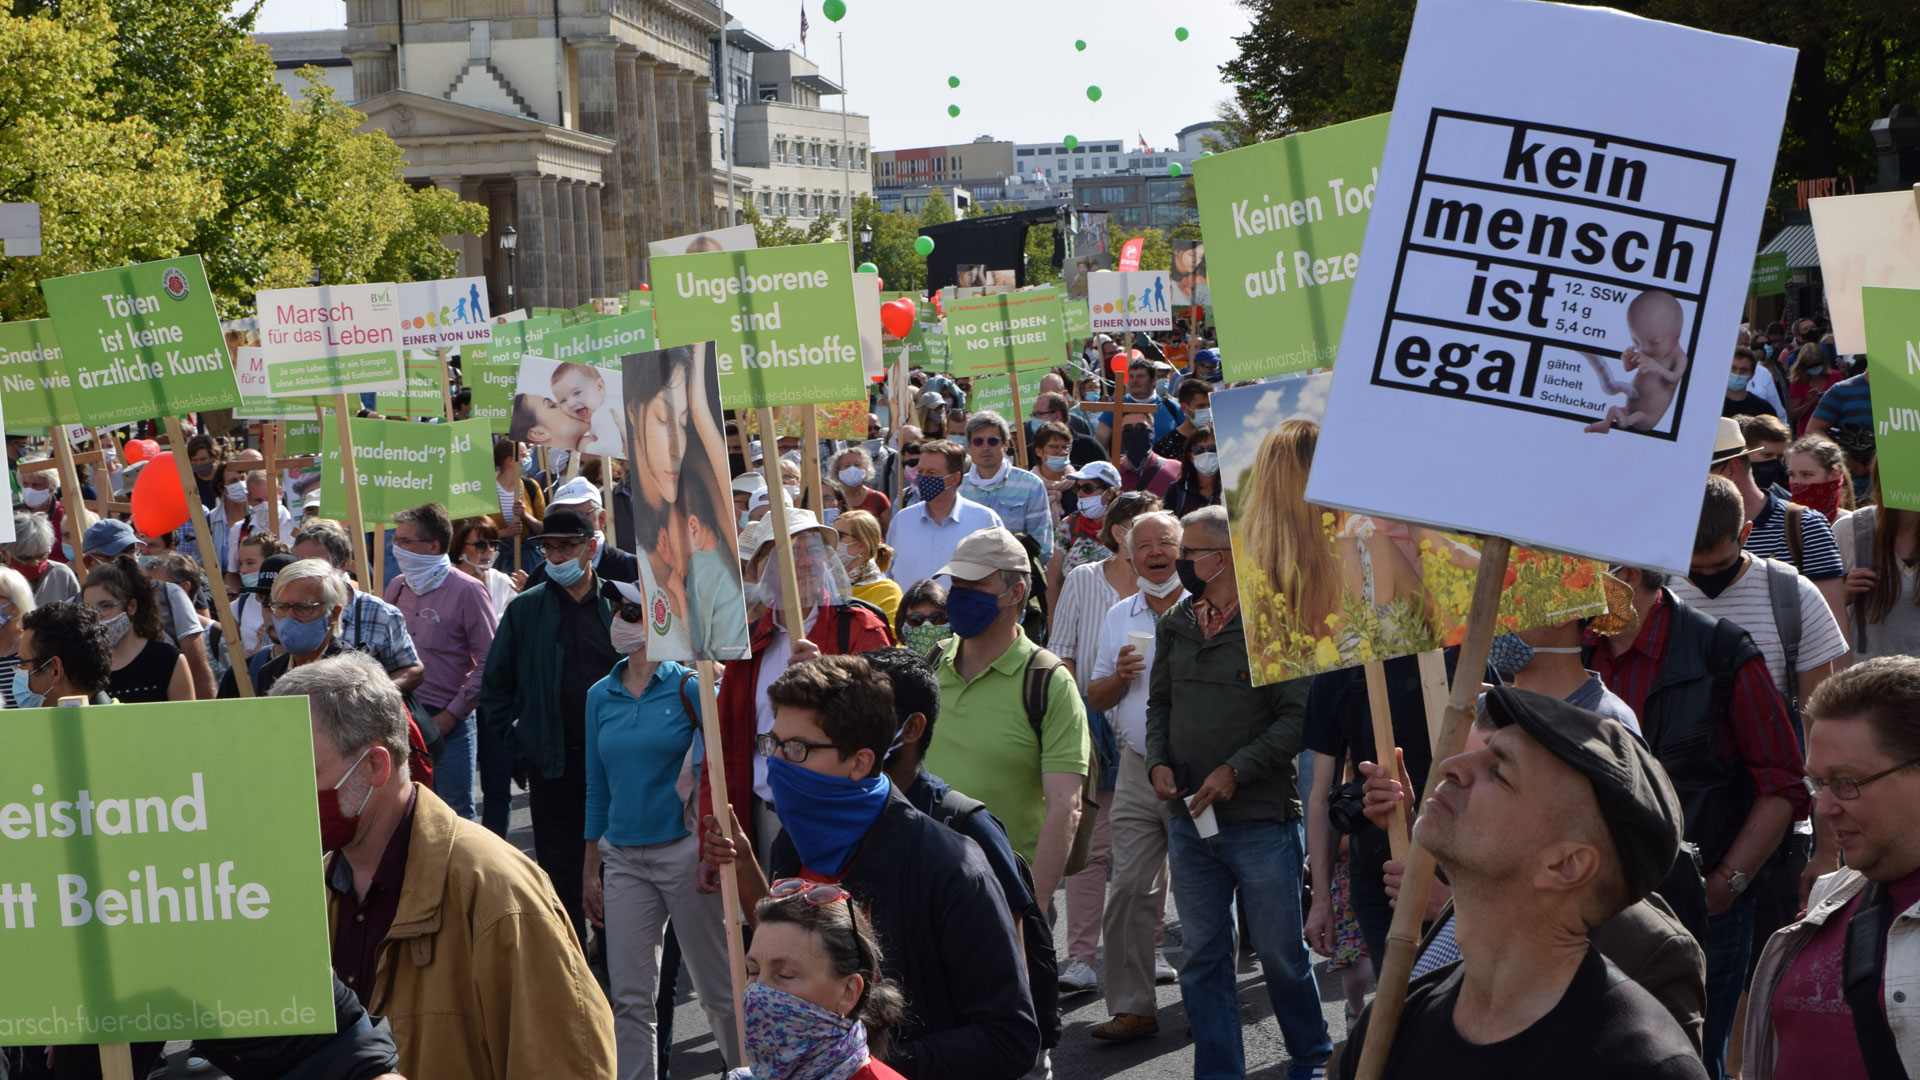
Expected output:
(445, 929)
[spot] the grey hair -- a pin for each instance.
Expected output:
(1133, 527)
(987, 418)
(352, 702)
(333, 587)
(330, 536)
(32, 536)
(858, 456)
(15, 591)
(1211, 520)
(1011, 578)
(53, 475)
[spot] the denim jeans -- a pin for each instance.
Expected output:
(1729, 938)
(1263, 860)
(496, 781)
(453, 773)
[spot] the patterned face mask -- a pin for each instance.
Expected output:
(791, 1038)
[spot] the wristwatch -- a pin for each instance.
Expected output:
(1737, 882)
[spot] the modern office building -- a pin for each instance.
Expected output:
(798, 157)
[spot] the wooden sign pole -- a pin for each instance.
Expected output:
(357, 525)
(1403, 939)
(716, 766)
(1433, 691)
(1119, 409)
(810, 460)
(116, 1059)
(1383, 744)
(229, 628)
(270, 442)
(899, 418)
(446, 386)
(70, 481)
(782, 543)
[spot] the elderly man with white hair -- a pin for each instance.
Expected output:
(16, 599)
(28, 556)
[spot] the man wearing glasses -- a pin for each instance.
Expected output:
(550, 647)
(994, 481)
(1833, 993)
(308, 600)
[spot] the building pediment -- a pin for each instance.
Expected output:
(405, 114)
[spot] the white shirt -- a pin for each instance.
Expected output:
(922, 545)
(500, 589)
(1746, 604)
(1079, 619)
(233, 535)
(1761, 386)
(774, 661)
(1130, 616)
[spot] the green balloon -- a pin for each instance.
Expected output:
(834, 10)
(1175, 169)
(923, 245)
(953, 110)
(953, 81)
(1093, 93)
(1070, 142)
(1080, 46)
(1206, 153)
(866, 268)
(1179, 33)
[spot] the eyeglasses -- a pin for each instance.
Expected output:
(630, 612)
(986, 440)
(914, 464)
(1090, 487)
(1189, 552)
(564, 548)
(1847, 788)
(304, 611)
(1199, 449)
(817, 893)
(794, 750)
(922, 618)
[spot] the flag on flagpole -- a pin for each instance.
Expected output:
(803, 28)
(1138, 135)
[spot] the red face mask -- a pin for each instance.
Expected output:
(30, 571)
(336, 828)
(1824, 496)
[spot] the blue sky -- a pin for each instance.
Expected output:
(1020, 77)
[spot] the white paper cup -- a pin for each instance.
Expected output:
(1206, 824)
(1141, 641)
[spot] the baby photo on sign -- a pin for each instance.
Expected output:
(569, 406)
(683, 515)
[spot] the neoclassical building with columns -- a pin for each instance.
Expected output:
(583, 124)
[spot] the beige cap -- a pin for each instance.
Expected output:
(985, 552)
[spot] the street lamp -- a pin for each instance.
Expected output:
(866, 239)
(508, 241)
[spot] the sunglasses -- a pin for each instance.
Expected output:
(986, 440)
(1090, 487)
(631, 613)
(922, 618)
(1201, 449)
(817, 893)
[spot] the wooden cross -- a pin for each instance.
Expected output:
(1122, 408)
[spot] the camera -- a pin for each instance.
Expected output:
(1346, 806)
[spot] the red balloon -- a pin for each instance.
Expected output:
(1119, 361)
(138, 450)
(897, 316)
(644, 287)
(159, 504)
(880, 283)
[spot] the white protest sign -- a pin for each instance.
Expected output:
(1864, 240)
(335, 339)
(1544, 265)
(1130, 300)
(737, 238)
(250, 372)
(866, 308)
(444, 314)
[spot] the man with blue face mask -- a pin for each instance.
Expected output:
(923, 536)
(551, 646)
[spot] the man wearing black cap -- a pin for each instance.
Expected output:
(551, 645)
(1559, 823)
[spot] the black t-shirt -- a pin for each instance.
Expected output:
(1754, 405)
(1605, 1027)
(1339, 719)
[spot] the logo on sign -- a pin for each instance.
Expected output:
(662, 615)
(175, 282)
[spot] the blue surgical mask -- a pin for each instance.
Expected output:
(67, 550)
(250, 581)
(23, 696)
(970, 611)
(566, 574)
(1738, 382)
(1057, 464)
(301, 638)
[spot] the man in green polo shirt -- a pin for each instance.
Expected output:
(987, 748)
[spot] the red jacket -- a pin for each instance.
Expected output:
(865, 632)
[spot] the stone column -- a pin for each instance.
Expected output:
(584, 229)
(473, 189)
(597, 243)
(467, 244)
(648, 200)
(373, 68)
(600, 97)
(564, 243)
(701, 165)
(557, 292)
(673, 153)
(529, 272)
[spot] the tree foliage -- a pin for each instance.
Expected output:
(149, 130)
(1305, 64)
(1155, 254)
(780, 232)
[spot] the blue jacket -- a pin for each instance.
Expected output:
(520, 692)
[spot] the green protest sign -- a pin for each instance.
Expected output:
(1893, 342)
(1769, 276)
(490, 370)
(141, 341)
(913, 347)
(601, 340)
(782, 321)
(1022, 331)
(421, 397)
(992, 393)
(160, 879)
(938, 358)
(250, 374)
(402, 464)
(1077, 322)
(35, 390)
(1283, 222)
(302, 437)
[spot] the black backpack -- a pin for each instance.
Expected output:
(843, 620)
(1043, 968)
(1034, 619)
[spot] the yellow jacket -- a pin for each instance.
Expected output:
(481, 975)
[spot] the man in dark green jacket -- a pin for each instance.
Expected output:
(1228, 747)
(551, 646)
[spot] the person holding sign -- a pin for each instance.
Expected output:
(507, 992)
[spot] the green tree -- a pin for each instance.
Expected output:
(1155, 254)
(891, 251)
(1305, 64)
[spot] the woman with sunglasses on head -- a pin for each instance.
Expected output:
(921, 624)
(477, 545)
(1199, 483)
(642, 724)
(1077, 539)
(866, 556)
(817, 1006)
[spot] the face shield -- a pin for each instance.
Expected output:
(817, 572)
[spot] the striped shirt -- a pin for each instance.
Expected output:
(1748, 604)
(1819, 555)
(1019, 497)
(1847, 402)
